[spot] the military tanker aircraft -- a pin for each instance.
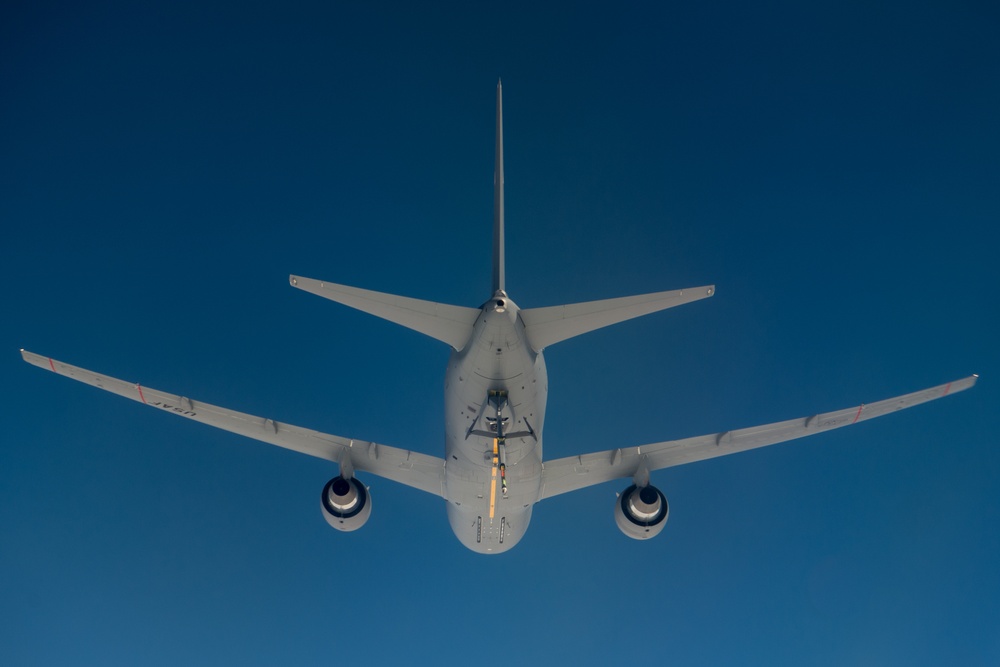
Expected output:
(493, 472)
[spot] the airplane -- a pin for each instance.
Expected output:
(493, 472)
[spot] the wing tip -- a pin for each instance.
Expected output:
(961, 385)
(38, 360)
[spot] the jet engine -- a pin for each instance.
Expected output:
(641, 512)
(346, 503)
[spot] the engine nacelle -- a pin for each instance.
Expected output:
(641, 512)
(346, 503)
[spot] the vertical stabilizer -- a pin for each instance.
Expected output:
(498, 258)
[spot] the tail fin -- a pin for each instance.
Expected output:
(544, 326)
(498, 258)
(449, 324)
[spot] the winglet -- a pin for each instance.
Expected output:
(498, 251)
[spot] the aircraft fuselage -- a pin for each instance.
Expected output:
(495, 393)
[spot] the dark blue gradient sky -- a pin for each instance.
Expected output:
(832, 167)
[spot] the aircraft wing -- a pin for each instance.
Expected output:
(576, 472)
(419, 471)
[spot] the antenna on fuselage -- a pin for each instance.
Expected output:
(498, 255)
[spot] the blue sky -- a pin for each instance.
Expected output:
(832, 167)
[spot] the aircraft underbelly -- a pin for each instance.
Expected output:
(495, 390)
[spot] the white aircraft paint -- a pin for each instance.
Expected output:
(496, 388)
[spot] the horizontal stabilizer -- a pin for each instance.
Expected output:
(545, 326)
(449, 324)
